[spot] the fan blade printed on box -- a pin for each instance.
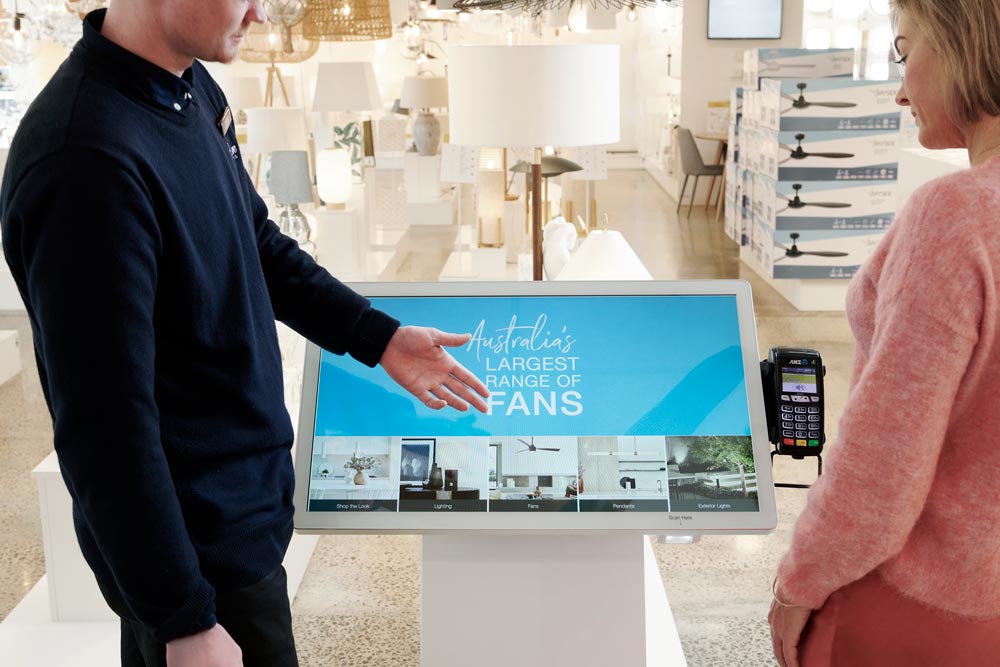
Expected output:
(801, 102)
(796, 202)
(798, 153)
(795, 252)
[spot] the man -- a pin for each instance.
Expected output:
(152, 278)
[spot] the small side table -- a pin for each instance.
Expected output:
(720, 157)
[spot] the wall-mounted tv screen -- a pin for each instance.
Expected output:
(615, 406)
(744, 19)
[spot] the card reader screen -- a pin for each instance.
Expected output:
(798, 379)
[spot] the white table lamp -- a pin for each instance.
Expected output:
(333, 177)
(244, 92)
(272, 129)
(347, 86)
(534, 96)
(424, 93)
(290, 185)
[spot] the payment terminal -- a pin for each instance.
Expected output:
(793, 399)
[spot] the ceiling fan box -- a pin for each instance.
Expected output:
(874, 103)
(872, 204)
(873, 155)
(787, 63)
(766, 247)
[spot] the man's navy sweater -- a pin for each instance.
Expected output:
(152, 278)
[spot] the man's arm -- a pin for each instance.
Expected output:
(87, 247)
(312, 302)
(307, 298)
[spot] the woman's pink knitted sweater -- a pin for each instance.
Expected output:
(911, 487)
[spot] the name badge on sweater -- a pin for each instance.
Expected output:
(225, 121)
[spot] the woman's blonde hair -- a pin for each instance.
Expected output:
(965, 34)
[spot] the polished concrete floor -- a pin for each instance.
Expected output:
(359, 603)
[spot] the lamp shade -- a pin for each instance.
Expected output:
(289, 181)
(333, 176)
(339, 21)
(245, 92)
(534, 96)
(276, 129)
(346, 87)
(604, 255)
(424, 92)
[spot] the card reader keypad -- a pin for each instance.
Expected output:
(800, 422)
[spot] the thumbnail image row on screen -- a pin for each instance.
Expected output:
(533, 473)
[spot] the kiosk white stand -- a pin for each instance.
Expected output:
(538, 601)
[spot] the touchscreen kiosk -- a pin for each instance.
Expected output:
(614, 406)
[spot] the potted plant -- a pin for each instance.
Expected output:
(359, 464)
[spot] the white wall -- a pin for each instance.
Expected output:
(710, 68)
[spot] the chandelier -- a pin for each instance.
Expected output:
(539, 6)
(284, 15)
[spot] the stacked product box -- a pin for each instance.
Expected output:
(749, 108)
(795, 63)
(733, 191)
(823, 154)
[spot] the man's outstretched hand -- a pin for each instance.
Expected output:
(416, 359)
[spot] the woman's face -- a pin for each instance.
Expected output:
(921, 90)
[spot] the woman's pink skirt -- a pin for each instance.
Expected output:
(870, 623)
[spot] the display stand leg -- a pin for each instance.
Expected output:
(581, 600)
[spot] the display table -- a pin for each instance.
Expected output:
(720, 157)
(10, 355)
(440, 211)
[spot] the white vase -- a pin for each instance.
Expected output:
(427, 133)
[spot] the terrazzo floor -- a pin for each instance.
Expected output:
(359, 603)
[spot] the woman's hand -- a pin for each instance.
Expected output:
(787, 623)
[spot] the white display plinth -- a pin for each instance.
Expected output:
(538, 601)
(440, 211)
(72, 589)
(10, 355)
(422, 177)
(338, 242)
(10, 298)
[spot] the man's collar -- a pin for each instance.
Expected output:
(134, 73)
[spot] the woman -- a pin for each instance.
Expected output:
(896, 558)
